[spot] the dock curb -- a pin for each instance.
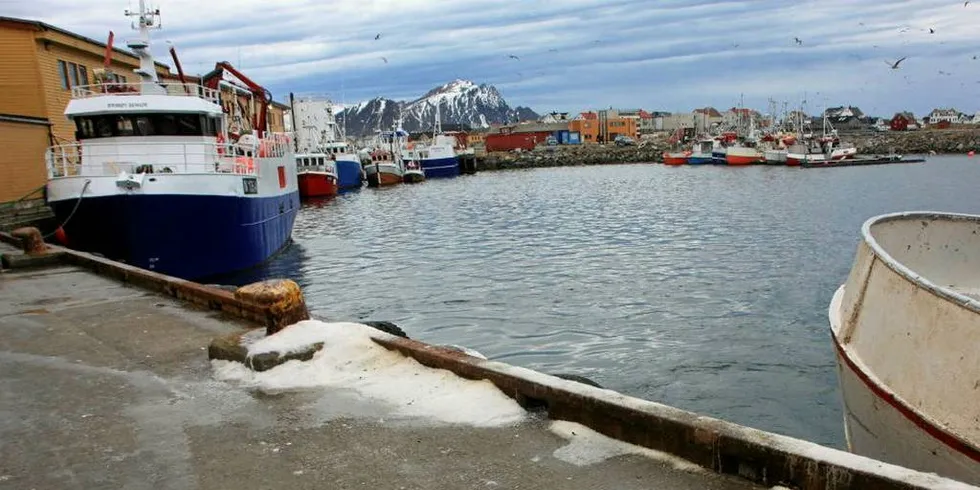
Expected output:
(267, 315)
(724, 447)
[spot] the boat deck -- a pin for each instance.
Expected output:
(108, 386)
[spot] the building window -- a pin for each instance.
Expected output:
(73, 71)
(83, 74)
(63, 74)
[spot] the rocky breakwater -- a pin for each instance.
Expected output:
(571, 155)
(922, 141)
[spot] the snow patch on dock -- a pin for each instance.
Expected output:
(586, 447)
(350, 360)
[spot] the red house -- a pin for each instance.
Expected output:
(901, 121)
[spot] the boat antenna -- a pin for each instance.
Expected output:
(146, 19)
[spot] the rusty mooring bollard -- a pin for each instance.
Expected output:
(283, 297)
(30, 240)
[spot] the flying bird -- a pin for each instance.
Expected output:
(932, 31)
(734, 45)
(385, 60)
(553, 50)
(966, 3)
(974, 56)
(894, 65)
(515, 57)
(377, 37)
(799, 42)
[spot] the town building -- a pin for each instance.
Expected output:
(587, 125)
(555, 117)
(901, 121)
(707, 117)
(948, 116)
(40, 66)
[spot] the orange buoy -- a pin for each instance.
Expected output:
(60, 235)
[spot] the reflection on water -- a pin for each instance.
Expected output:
(701, 287)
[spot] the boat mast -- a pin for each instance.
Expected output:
(438, 127)
(146, 19)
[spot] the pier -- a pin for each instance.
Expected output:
(107, 383)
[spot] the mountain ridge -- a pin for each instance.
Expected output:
(461, 103)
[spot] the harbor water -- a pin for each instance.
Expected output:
(702, 287)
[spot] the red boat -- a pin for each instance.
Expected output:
(317, 175)
(676, 158)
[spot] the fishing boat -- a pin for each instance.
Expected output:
(157, 181)
(676, 157)
(743, 154)
(701, 154)
(386, 165)
(413, 173)
(775, 156)
(906, 326)
(316, 174)
(317, 131)
(438, 158)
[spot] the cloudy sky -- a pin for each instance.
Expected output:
(574, 54)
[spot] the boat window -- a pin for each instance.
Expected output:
(146, 125)
(123, 126)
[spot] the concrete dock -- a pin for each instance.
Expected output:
(106, 383)
(108, 386)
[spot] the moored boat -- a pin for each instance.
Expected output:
(317, 131)
(157, 181)
(676, 157)
(438, 158)
(775, 156)
(906, 325)
(743, 155)
(701, 154)
(413, 173)
(316, 174)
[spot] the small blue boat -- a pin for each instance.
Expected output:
(702, 153)
(438, 159)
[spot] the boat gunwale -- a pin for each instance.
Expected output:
(937, 430)
(907, 273)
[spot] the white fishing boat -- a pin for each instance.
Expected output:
(317, 132)
(775, 156)
(906, 327)
(155, 179)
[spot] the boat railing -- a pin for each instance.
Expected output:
(145, 88)
(111, 159)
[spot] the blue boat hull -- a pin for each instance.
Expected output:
(186, 236)
(718, 158)
(348, 175)
(699, 160)
(440, 167)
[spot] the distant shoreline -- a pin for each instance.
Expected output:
(921, 142)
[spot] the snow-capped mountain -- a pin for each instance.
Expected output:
(461, 103)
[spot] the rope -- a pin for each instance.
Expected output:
(25, 196)
(77, 203)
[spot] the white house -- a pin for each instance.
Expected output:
(944, 115)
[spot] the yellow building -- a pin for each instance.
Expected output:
(39, 64)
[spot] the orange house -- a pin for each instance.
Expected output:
(587, 125)
(595, 129)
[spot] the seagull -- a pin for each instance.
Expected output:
(966, 3)
(377, 37)
(932, 31)
(799, 42)
(734, 45)
(895, 64)
(385, 59)
(511, 56)
(974, 56)
(553, 50)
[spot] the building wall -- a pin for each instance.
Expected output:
(22, 158)
(588, 128)
(674, 122)
(20, 77)
(625, 126)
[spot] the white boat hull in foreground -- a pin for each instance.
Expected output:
(906, 328)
